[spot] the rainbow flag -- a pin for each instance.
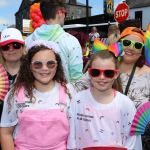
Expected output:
(147, 45)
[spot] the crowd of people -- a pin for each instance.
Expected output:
(62, 96)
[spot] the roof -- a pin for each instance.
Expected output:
(139, 4)
(79, 4)
(84, 25)
(102, 18)
(35, 1)
(23, 5)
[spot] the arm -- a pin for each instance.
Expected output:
(71, 142)
(7, 138)
(1, 109)
(75, 60)
(129, 142)
(8, 123)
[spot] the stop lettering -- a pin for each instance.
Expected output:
(121, 12)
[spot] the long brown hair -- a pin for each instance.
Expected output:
(25, 77)
(106, 54)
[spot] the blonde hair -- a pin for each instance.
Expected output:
(2, 59)
(113, 38)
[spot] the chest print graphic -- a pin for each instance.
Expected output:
(79, 138)
(57, 104)
(101, 117)
(112, 133)
(129, 123)
(101, 131)
(69, 117)
(87, 109)
(39, 101)
(117, 121)
(78, 102)
(84, 117)
(23, 105)
(95, 141)
(61, 105)
(86, 130)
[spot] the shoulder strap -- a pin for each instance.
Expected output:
(130, 79)
(21, 95)
(62, 95)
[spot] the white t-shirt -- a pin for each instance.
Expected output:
(44, 100)
(93, 124)
(92, 36)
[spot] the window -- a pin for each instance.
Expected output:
(79, 13)
(138, 16)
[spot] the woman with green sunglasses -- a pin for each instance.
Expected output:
(135, 75)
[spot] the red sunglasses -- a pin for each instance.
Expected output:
(108, 73)
(14, 45)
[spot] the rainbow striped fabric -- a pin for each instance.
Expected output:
(116, 48)
(147, 45)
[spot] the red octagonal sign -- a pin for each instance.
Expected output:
(121, 12)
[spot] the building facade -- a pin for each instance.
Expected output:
(74, 10)
(140, 9)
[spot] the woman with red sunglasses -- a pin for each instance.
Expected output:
(135, 75)
(101, 116)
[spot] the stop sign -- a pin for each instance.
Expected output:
(121, 12)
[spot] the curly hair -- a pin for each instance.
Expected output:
(26, 79)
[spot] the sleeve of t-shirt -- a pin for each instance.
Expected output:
(9, 114)
(98, 35)
(71, 143)
(75, 59)
(128, 111)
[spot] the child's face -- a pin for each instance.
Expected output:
(105, 79)
(44, 66)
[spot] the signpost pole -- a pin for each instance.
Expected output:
(87, 16)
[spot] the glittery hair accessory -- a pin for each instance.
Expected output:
(49, 44)
(115, 48)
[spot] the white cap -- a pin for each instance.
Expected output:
(10, 35)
